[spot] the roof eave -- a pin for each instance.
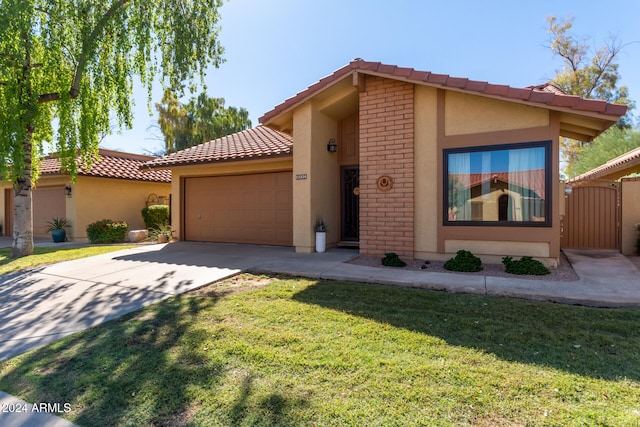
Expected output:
(277, 113)
(614, 169)
(171, 165)
(269, 118)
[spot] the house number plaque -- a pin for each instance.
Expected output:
(385, 183)
(300, 176)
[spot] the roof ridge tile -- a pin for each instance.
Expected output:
(437, 78)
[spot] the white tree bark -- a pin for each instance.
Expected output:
(23, 205)
(22, 219)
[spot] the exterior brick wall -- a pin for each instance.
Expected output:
(387, 149)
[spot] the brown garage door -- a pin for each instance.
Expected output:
(254, 209)
(48, 203)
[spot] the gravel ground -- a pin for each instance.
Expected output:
(562, 273)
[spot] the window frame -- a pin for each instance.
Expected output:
(546, 144)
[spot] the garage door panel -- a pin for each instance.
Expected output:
(234, 218)
(283, 181)
(233, 199)
(268, 199)
(48, 203)
(219, 234)
(250, 216)
(282, 198)
(266, 182)
(282, 234)
(244, 209)
(284, 218)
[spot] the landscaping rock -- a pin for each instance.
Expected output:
(136, 236)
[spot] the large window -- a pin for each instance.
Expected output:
(498, 185)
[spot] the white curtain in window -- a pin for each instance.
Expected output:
(485, 177)
(459, 208)
(526, 182)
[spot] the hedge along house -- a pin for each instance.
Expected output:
(393, 160)
(115, 187)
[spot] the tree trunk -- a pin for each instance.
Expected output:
(23, 205)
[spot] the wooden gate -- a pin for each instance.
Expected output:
(591, 218)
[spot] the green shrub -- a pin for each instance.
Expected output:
(155, 215)
(165, 229)
(107, 231)
(525, 265)
(391, 259)
(464, 261)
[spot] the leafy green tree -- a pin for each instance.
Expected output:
(202, 119)
(586, 73)
(172, 119)
(611, 144)
(75, 61)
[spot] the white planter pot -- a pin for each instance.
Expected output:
(321, 241)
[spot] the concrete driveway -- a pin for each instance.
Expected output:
(43, 305)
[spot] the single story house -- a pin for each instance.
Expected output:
(387, 157)
(115, 187)
(607, 205)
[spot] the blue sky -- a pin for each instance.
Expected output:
(276, 48)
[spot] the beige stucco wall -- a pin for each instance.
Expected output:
(94, 198)
(467, 114)
(325, 178)
(426, 170)
(303, 240)
(630, 215)
(107, 198)
(217, 169)
(471, 121)
(476, 121)
(499, 248)
(316, 196)
(48, 181)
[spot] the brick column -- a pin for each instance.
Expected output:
(387, 149)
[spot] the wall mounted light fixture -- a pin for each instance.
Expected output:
(568, 190)
(67, 190)
(332, 147)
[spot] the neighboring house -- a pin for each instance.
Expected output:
(603, 209)
(115, 187)
(375, 151)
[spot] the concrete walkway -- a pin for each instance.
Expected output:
(43, 305)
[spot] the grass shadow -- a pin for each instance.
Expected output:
(595, 342)
(128, 369)
(149, 367)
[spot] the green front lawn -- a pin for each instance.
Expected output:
(287, 351)
(44, 256)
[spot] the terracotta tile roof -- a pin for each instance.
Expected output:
(546, 95)
(535, 179)
(110, 164)
(259, 142)
(622, 165)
